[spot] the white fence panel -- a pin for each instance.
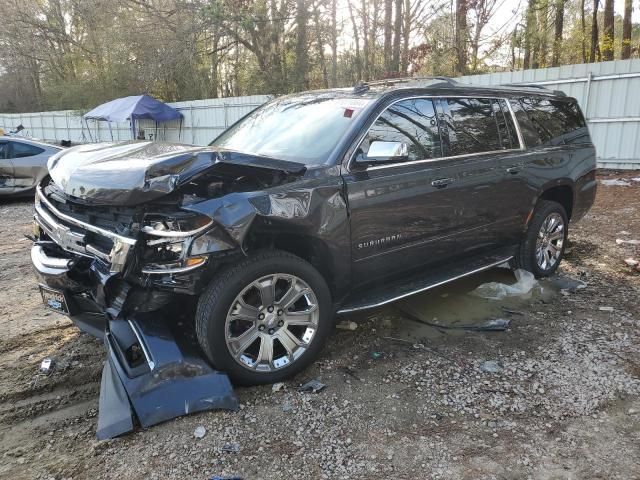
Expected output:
(203, 120)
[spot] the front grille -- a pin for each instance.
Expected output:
(106, 233)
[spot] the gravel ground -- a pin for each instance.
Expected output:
(556, 396)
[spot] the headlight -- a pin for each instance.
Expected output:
(168, 242)
(176, 226)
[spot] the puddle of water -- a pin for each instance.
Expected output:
(453, 305)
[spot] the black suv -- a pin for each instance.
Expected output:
(312, 205)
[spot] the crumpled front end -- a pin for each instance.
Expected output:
(119, 275)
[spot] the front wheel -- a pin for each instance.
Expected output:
(264, 319)
(542, 249)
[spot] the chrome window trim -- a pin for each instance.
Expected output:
(78, 223)
(449, 157)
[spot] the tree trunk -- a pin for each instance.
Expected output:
(530, 30)
(583, 34)
(626, 30)
(607, 31)
(320, 47)
(406, 32)
(301, 45)
(541, 37)
(357, 41)
(364, 66)
(461, 37)
(334, 46)
(388, 18)
(594, 32)
(557, 38)
(397, 35)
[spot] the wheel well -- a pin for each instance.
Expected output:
(311, 249)
(561, 194)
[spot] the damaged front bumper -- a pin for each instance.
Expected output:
(154, 370)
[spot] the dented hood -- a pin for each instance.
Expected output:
(131, 173)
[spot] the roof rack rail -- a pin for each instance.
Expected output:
(364, 86)
(534, 85)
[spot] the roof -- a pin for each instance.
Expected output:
(133, 108)
(29, 140)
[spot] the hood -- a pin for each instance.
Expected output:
(131, 173)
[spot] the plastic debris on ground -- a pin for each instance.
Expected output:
(313, 386)
(376, 355)
(606, 309)
(491, 366)
(616, 182)
(46, 366)
(497, 291)
(231, 448)
(200, 432)
(225, 478)
(276, 387)
(347, 325)
(620, 241)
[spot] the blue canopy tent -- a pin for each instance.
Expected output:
(132, 109)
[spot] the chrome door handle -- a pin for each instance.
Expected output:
(442, 182)
(514, 170)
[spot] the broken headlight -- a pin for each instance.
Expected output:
(168, 241)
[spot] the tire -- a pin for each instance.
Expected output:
(229, 310)
(527, 256)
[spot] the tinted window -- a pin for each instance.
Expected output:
(411, 121)
(472, 126)
(20, 150)
(3, 150)
(529, 132)
(553, 119)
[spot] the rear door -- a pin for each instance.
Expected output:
(6, 166)
(480, 142)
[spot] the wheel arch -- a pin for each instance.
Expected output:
(560, 193)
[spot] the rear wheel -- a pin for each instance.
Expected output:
(543, 246)
(264, 319)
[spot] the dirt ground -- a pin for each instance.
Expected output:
(558, 399)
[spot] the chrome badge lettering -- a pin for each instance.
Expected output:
(379, 241)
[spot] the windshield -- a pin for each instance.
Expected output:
(302, 129)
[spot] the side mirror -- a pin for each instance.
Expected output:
(380, 151)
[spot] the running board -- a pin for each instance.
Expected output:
(421, 282)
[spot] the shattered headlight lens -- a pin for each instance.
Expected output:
(178, 225)
(168, 240)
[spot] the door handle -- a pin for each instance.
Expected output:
(514, 169)
(442, 182)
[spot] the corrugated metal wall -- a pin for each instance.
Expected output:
(203, 121)
(609, 95)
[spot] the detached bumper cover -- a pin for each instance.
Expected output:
(172, 380)
(155, 370)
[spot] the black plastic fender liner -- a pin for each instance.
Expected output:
(175, 381)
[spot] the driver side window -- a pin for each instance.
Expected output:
(412, 122)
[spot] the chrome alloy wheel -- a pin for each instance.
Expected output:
(550, 240)
(271, 322)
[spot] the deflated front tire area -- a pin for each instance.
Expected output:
(217, 300)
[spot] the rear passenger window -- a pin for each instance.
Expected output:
(412, 122)
(553, 119)
(20, 150)
(473, 126)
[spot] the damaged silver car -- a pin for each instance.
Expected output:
(23, 164)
